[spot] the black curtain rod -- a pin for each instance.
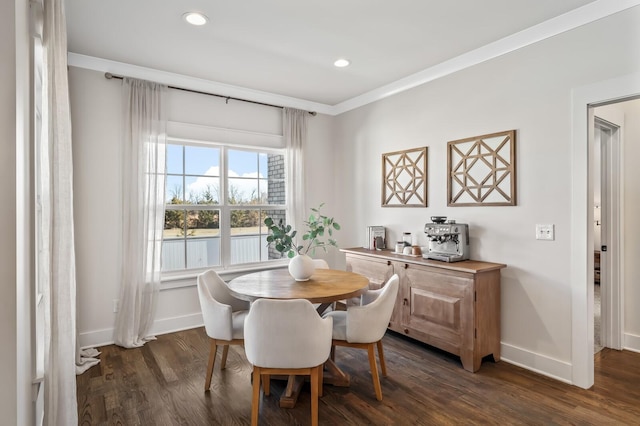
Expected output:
(109, 76)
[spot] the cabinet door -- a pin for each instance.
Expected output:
(378, 271)
(438, 308)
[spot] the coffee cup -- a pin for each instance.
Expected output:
(406, 250)
(416, 251)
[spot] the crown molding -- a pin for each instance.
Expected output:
(192, 83)
(573, 19)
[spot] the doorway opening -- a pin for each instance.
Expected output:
(606, 171)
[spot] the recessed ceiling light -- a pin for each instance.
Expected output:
(195, 18)
(341, 63)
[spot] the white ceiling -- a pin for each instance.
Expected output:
(286, 48)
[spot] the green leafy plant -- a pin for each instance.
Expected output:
(283, 237)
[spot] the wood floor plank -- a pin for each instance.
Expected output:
(162, 383)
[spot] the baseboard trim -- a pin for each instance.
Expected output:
(541, 364)
(171, 325)
(97, 338)
(631, 342)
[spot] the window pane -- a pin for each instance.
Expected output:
(174, 193)
(173, 254)
(276, 186)
(263, 169)
(242, 163)
(174, 159)
(203, 242)
(203, 223)
(246, 241)
(203, 252)
(173, 225)
(276, 192)
(202, 161)
(243, 191)
(276, 216)
(203, 190)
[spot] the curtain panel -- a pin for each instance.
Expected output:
(143, 187)
(294, 130)
(56, 260)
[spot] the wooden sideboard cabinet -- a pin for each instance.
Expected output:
(452, 306)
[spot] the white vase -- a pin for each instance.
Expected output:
(301, 267)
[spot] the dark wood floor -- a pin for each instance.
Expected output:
(162, 384)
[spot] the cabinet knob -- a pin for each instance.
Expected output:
(406, 331)
(406, 265)
(388, 263)
(405, 301)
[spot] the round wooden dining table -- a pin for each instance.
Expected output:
(324, 287)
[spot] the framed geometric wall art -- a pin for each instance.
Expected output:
(404, 178)
(481, 171)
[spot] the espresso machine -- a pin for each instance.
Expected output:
(448, 242)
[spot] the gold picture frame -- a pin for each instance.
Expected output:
(404, 178)
(481, 171)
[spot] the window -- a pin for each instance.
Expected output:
(217, 197)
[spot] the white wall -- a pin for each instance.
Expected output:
(528, 90)
(96, 117)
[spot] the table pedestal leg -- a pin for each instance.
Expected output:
(291, 393)
(334, 376)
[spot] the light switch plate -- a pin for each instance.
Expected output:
(545, 232)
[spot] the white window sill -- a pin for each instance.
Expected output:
(181, 279)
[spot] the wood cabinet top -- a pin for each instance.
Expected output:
(470, 266)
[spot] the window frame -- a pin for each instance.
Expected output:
(225, 267)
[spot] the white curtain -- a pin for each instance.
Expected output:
(56, 258)
(143, 181)
(294, 130)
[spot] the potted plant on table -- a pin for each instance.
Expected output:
(318, 235)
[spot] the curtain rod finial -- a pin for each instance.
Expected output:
(108, 75)
(313, 113)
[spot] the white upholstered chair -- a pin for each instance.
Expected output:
(223, 317)
(286, 337)
(320, 264)
(364, 326)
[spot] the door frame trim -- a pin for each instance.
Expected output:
(581, 253)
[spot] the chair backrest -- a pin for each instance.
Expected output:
(217, 306)
(368, 323)
(286, 334)
(220, 291)
(320, 264)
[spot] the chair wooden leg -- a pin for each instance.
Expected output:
(383, 365)
(315, 374)
(225, 352)
(255, 400)
(211, 364)
(320, 379)
(266, 384)
(332, 354)
(374, 371)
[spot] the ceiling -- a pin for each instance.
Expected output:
(286, 48)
